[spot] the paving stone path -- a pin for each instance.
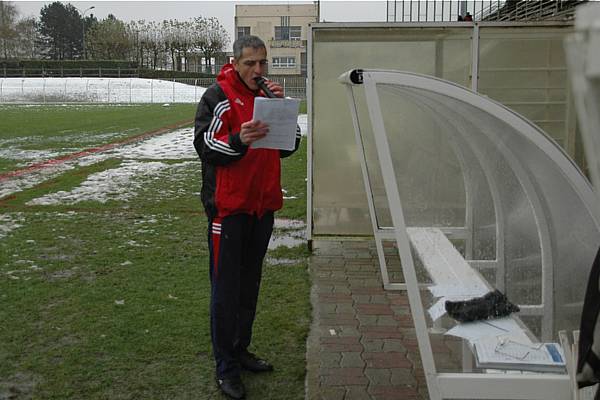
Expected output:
(362, 343)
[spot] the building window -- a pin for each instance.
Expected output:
(284, 62)
(288, 32)
(243, 31)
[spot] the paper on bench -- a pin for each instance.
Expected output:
(513, 353)
(437, 310)
(282, 117)
(473, 331)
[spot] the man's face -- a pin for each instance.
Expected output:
(251, 64)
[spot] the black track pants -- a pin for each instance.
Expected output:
(237, 245)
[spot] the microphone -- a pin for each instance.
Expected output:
(260, 82)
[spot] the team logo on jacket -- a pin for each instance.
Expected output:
(239, 101)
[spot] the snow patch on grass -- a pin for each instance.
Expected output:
(112, 184)
(10, 222)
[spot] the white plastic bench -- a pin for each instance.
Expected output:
(450, 272)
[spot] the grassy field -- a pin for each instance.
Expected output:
(110, 300)
(62, 129)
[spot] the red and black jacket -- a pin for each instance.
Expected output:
(235, 178)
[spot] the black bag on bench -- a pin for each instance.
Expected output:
(492, 305)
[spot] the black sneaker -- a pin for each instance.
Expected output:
(252, 363)
(232, 387)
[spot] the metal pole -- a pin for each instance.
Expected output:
(195, 89)
(1, 94)
(44, 89)
(173, 90)
(387, 11)
(108, 97)
(498, 12)
(152, 91)
(475, 59)
(83, 29)
(402, 10)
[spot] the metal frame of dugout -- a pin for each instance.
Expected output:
(542, 210)
(521, 65)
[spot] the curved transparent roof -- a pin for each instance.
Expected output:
(519, 208)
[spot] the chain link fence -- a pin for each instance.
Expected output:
(118, 90)
(293, 86)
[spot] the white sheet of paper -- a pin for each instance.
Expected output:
(516, 351)
(437, 310)
(472, 331)
(282, 117)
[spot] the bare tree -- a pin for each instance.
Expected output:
(27, 38)
(155, 44)
(8, 33)
(175, 42)
(211, 38)
(146, 39)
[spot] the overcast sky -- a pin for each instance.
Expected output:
(331, 10)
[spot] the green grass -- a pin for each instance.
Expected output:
(293, 181)
(302, 107)
(68, 129)
(110, 300)
(57, 120)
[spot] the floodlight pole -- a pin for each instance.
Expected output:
(83, 26)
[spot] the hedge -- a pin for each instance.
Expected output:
(166, 74)
(70, 64)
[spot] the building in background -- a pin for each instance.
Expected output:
(283, 28)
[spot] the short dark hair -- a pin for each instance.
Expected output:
(247, 41)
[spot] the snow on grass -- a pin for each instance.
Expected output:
(9, 222)
(173, 145)
(97, 90)
(112, 184)
(26, 157)
(303, 123)
(31, 179)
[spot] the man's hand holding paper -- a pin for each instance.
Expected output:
(280, 117)
(252, 131)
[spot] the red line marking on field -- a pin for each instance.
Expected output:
(87, 152)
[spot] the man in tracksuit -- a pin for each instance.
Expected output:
(241, 189)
